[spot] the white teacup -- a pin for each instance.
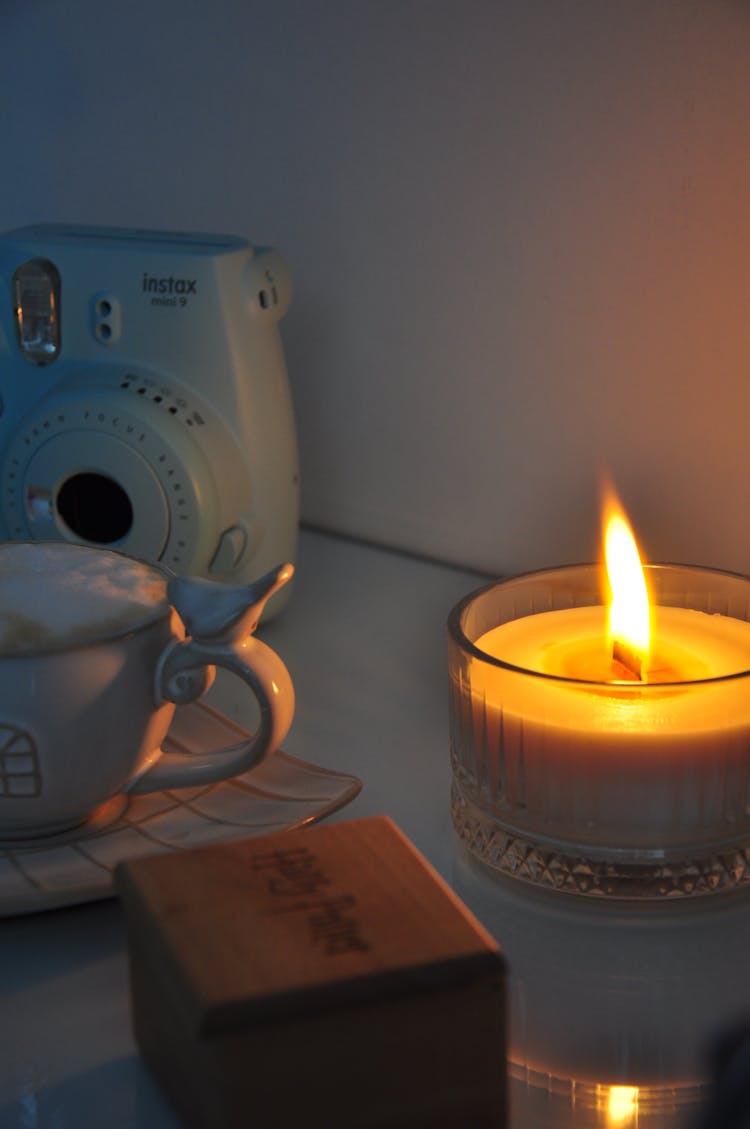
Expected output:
(96, 650)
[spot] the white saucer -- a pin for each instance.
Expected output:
(76, 866)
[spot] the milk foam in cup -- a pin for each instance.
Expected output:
(94, 658)
(55, 595)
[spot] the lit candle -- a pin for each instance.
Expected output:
(575, 737)
(625, 640)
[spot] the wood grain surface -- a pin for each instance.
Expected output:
(312, 974)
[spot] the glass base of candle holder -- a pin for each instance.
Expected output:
(569, 870)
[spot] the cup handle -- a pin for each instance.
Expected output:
(185, 672)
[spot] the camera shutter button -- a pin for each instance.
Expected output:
(232, 545)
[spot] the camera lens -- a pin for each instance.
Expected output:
(95, 508)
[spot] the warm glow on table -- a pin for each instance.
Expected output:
(622, 1106)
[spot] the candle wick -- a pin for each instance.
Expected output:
(630, 660)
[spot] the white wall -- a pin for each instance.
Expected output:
(520, 233)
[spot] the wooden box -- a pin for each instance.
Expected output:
(321, 978)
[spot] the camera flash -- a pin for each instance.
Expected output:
(36, 299)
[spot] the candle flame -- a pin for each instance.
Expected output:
(629, 620)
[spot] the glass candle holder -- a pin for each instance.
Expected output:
(604, 788)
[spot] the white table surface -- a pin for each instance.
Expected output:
(597, 993)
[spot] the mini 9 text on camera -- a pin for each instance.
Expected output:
(145, 405)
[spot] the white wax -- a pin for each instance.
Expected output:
(619, 764)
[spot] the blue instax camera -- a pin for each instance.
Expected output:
(144, 400)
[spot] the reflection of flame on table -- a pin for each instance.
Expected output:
(621, 1106)
(604, 995)
(542, 1101)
